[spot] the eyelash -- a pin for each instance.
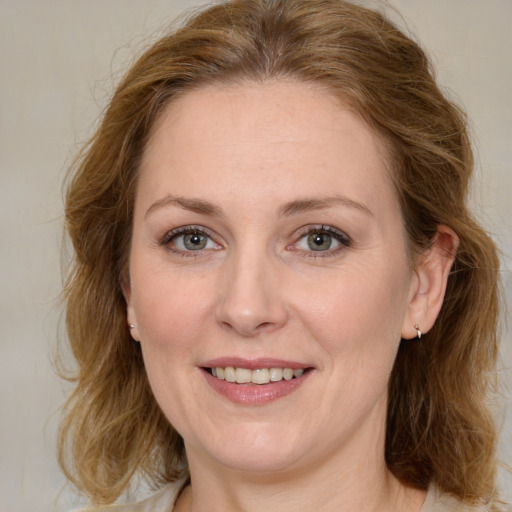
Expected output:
(186, 230)
(341, 237)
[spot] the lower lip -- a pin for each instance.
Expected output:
(255, 394)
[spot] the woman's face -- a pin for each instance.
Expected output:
(268, 237)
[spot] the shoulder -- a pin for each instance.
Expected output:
(437, 501)
(161, 501)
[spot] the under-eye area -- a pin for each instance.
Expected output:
(258, 376)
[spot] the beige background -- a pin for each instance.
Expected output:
(58, 62)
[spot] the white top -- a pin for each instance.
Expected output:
(164, 500)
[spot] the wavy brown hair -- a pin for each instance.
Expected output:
(439, 427)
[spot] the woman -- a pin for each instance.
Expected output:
(279, 299)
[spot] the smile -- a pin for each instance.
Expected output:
(257, 376)
(255, 381)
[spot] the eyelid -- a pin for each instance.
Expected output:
(321, 228)
(183, 230)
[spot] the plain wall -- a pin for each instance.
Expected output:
(58, 63)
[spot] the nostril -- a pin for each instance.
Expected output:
(248, 329)
(250, 306)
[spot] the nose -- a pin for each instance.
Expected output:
(251, 298)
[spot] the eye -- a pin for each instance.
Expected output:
(322, 239)
(189, 239)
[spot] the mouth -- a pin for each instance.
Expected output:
(257, 376)
(255, 382)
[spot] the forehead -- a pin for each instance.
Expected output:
(228, 138)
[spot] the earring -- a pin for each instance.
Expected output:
(134, 334)
(419, 333)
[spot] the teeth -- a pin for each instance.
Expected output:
(229, 374)
(243, 375)
(276, 374)
(259, 376)
(287, 374)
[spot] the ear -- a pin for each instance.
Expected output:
(130, 313)
(428, 284)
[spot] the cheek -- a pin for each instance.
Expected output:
(170, 311)
(171, 316)
(357, 318)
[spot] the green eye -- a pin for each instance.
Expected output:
(320, 241)
(195, 241)
(189, 239)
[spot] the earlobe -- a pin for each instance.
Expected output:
(429, 282)
(130, 313)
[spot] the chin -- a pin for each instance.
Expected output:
(257, 462)
(257, 451)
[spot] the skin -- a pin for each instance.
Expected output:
(255, 153)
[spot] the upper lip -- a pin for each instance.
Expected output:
(253, 364)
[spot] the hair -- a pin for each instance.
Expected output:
(439, 427)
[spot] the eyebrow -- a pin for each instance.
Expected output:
(194, 205)
(313, 204)
(203, 207)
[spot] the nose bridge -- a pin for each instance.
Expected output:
(250, 300)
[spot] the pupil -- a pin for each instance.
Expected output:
(195, 241)
(319, 241)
